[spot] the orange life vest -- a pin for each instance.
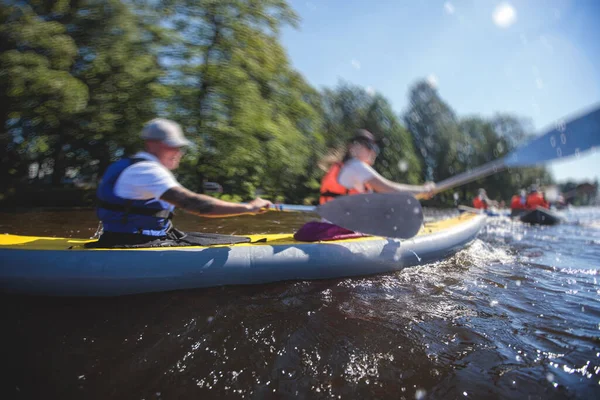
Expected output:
(480, 203)
(330, 188)
(516, 203)
(535, 200)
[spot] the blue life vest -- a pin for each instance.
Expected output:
(146, 217)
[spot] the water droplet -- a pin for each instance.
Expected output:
(518, 283)
(395, 228)
(388, 216)
(347, 212)
(416, 210)
(367, 200)
(552, 141)
(408, 201)
(391, 209)
(210, 319)
(402, 166)
(420, 394)
(577, 152)
(558, 152)
(563, 138)
(549, 377)
(396, 257)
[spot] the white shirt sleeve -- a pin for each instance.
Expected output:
(354, 174)
(145, 180)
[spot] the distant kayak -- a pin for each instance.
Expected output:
(539, 216)
(64, 267)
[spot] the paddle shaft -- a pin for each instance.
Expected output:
(292, 207)
(470, 176)
(567, 139)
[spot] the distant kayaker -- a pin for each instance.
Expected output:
(349, 174)
(519, 201)
(535, 199)
(482, 201)
(354, 173)
(137, 195)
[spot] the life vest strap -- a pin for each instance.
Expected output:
(136, 210)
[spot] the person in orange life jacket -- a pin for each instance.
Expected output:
(518, 201)
(137, 195)
(536, 199)
(482, 201)
(353, 174)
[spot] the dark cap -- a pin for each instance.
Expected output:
(363, 135)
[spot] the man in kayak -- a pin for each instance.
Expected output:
(535, 199)
(482, 201)
(352, 174)
(137, 195)
(518, 201)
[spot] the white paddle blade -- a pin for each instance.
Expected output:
(391, 215)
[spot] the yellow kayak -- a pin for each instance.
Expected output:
(64, 267)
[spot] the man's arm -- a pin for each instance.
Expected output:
(207, 206)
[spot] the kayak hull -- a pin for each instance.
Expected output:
(539, 216)
(44, 266)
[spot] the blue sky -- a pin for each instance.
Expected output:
(538, 58)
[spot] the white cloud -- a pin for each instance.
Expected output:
(370, 91)
(432, 80)
(355, 64)
(504, 15)
(449, 7)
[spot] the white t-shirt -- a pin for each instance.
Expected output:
(145, 180)
(354, 174)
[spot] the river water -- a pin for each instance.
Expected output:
(515, 315)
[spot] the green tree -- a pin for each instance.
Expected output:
(250, 113)
(37, 90)
(79, 80)
(434, 129)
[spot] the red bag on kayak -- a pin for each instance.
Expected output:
(316, 231)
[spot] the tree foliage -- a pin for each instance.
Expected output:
(79, 78)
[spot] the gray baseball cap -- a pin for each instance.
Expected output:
(167, 131)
